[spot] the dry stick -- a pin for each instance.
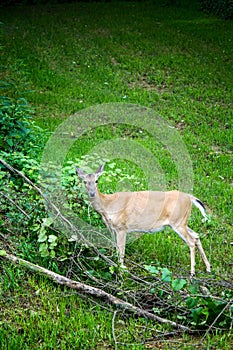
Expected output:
(14, 203)
(57, 211)
(93, 291)
(113, 329)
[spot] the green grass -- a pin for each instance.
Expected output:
(46, 317)
(175, 61)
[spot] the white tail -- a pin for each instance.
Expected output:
(145, 211)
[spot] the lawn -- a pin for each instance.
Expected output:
(148, 89)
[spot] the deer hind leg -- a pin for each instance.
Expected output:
(189, 239)
(200, 249)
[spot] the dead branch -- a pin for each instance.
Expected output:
(93, 291)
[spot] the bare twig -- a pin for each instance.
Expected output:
(15, 204)
(113, 328)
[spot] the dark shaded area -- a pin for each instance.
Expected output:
(37, 2)
(179, 3)
(220, 8)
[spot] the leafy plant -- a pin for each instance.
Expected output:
(202, 309)
(18, 132)
(14, 123)
(47, 242)
(206, 309)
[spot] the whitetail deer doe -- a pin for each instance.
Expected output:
(145, 211)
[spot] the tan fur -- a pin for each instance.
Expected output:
(145, 211)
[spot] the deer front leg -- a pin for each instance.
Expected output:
(120, 241)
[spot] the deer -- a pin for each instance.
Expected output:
(145, 211)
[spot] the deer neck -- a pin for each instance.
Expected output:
(98, 202)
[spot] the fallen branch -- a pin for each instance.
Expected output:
(93, 291)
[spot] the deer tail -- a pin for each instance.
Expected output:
(198, 204)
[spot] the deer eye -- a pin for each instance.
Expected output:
(96, 181)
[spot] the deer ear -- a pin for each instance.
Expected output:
(80, 173)
(100, 170)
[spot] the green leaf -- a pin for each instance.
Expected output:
(102, 251)
(47, 222)
(178, 284)
(192, 302)
(10, 142)
(52, 254)
(166, 275)
(42, 237)
(43, 246)
(194, 288)
(73, 238)
(112, 165)
(43, 249)
(52, 238)
(198, 314)
(112, 269)
(2, 252)
(152, 269)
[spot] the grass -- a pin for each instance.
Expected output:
(48, 317)
(175, 61)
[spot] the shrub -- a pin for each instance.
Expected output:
(18, 133)
(20, 146)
